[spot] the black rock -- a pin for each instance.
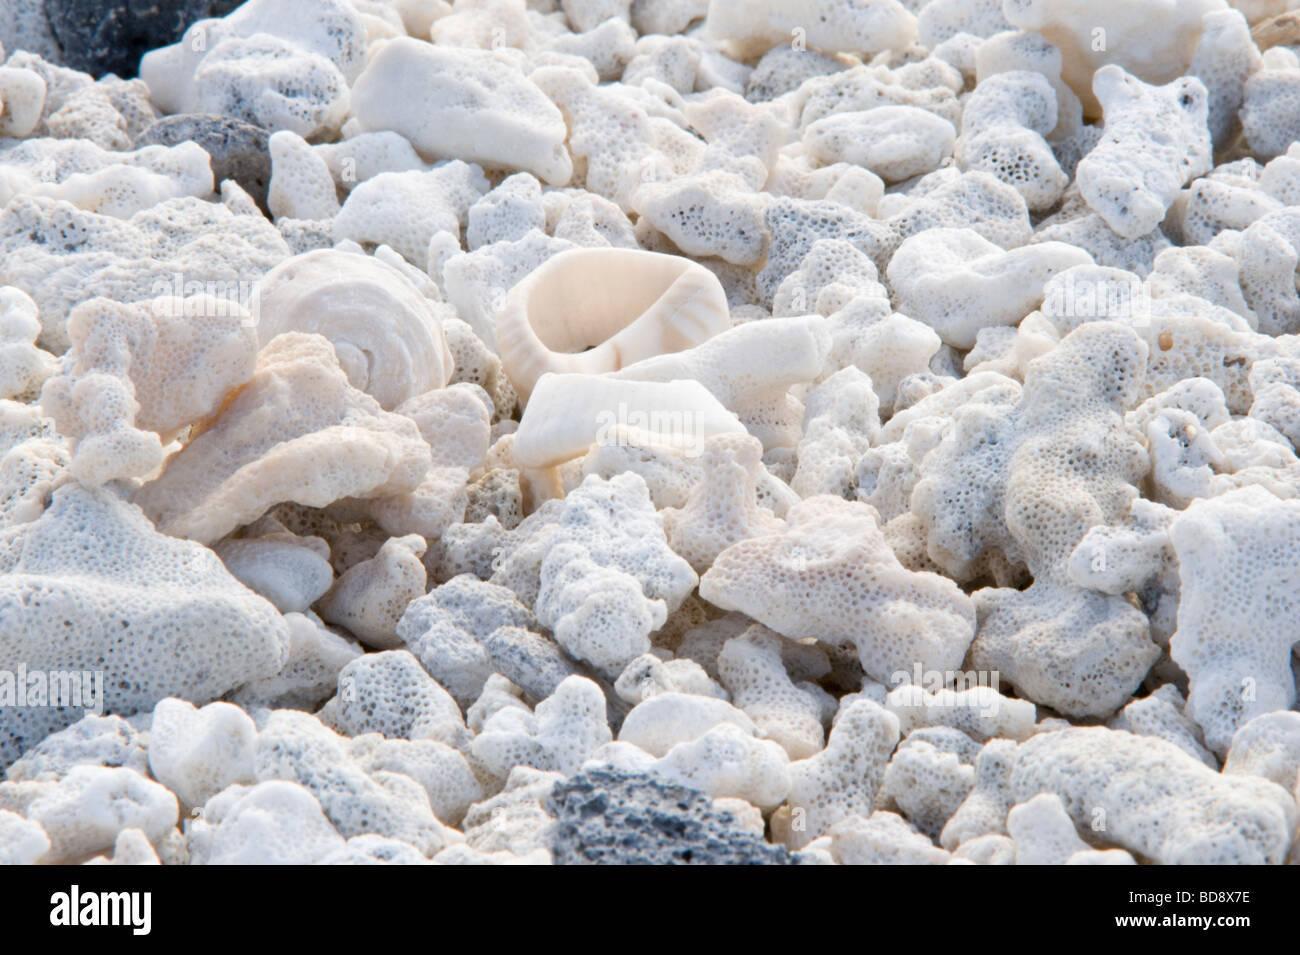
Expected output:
(110, 36)
(611, 817)
(238, 149)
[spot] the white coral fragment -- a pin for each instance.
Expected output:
(474, 105)
(1236, 627)
(297, 407)
(1131, 177)
(830, 574)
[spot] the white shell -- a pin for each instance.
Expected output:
(384, 332)
(591, 311)
(570, 413)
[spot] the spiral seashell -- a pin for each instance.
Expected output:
(386, 336)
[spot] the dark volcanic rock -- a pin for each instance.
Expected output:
(609, 817)
(238, 149)
(110, 36)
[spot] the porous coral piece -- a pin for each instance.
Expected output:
(437, 502)
(1155, 800)
(309, 674)
(751, 668)
(371, 596)
(621, 144)
(1263, 253)
(1236, 624)
(958, 282)
(1276, 386)
(713, 213)
(949, 199)
(784, 69)
(506, 213)
(1162, 715)
(323, 32)
(123, 598)
(91, 741)
(447, 627)
(797, 224)
(363, 156)
(1268, 111)
(23, 366)
(178, 247)
(132, 847)
(1043, 832)
(273, 823)
(110, 113)
(660, 722)
(196, 753)
(137, 375)
(290, 571)
(983, 813)
(979, 711)
(297, 431)
(480, 24)
(409, 210)
(99, 180)
(742, 137)
(1043, 639)
(607, 47)
(728, 762)
(391, 694)
(985, 850)
(376, 850)
(560, 735)
(841, 780)
(929, 776)
(830, 574)
(882, 838)
(941, 20)
(272, 83)
(754, 28)
(22, 100)
(22, 842)
(1002, 130)
(474, 105)
(301, 186)
(889, 349)
(1226, 58)
(87, 809)
(1268, 746)
(840, 421)
(296, 748)
(670, 473)
(444, 772)
(530, 661)
(832, 276)
(1131, 176)
(723, 509)
(894, 142)
(609, 578)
